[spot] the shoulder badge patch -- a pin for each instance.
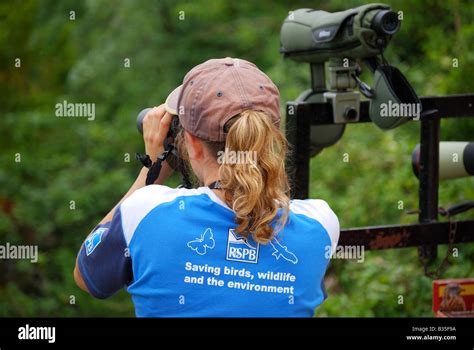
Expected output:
(94, 240)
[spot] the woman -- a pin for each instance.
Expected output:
(236, 246)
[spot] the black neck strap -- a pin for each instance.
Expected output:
(216, 185)
(154, 169)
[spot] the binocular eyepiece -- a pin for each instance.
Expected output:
(174, 129)
(140, 118)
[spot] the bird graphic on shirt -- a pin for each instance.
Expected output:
(452, 299)
(238, 239)
(204, 242)
(281, 251)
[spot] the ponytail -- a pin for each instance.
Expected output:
(255, 183)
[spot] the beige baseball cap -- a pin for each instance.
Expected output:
(217, 90)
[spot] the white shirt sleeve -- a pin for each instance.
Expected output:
(320, 211)
(142, 201)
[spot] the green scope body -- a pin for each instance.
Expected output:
(456, 160)
(313, 36)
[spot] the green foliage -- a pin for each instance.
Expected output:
(72, 159)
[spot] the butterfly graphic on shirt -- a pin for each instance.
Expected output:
(204, 242)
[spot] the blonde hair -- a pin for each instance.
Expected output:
(256, 188)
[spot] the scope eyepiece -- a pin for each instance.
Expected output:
(386, 22)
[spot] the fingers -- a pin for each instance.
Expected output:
(156, 125)
(152, 118)
(164, 126)
(151, 122)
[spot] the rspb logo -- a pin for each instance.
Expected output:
(94, 240)
(240, 248)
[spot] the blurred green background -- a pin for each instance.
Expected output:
(72, 159)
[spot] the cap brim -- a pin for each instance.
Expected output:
(171, 103)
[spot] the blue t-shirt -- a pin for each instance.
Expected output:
(179, 255)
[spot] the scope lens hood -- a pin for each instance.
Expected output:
(394, 101)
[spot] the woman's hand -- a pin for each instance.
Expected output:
(156, 125)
